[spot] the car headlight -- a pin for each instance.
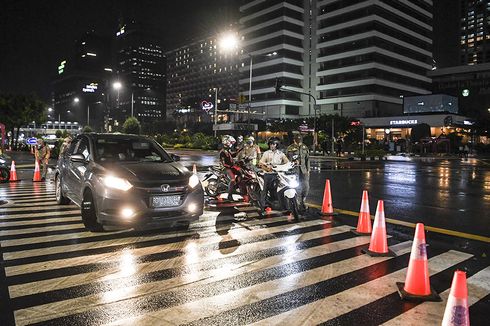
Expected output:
(193, 181)
(116, 183)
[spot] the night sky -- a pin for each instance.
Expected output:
(36, 34)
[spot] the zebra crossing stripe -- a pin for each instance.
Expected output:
(31, 222)
(363, 294)
(33, 212)
(38, 204)
(34, 201)
(205, 246)
(210, 306)
(42, 224)
(197, 288)
(111, 270)
(431, 313)
(37, 208)
(51, 246)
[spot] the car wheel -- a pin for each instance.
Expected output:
(89, 213)
(60, 199)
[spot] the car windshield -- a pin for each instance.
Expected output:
(129, 150)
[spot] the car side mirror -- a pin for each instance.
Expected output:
(174, 157)
(78, 158)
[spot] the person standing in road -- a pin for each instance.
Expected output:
(299, 154)
(65, 145)
(270, 158)
(42, 154)
(226, 157)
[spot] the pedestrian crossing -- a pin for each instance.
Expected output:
(219, 271)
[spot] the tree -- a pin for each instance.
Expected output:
(87, 129)
(21, 110)
(419, 131)
(132, 126)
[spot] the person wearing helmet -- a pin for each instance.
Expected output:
(239, 144)
(250, 151)
(270, 158)
(226, 157)
(300, 155)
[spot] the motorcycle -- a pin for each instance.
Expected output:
(4, 170)
(285, 188)
(215, 181)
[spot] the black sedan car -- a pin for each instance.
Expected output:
(127, 181)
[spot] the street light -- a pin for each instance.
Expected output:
(117, 86)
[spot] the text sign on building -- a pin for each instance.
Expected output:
(403, 122)
(90, 88)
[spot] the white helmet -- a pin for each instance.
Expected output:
(240, 138)
(228, 140)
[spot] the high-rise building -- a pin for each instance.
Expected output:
(140, 68)
(78, 90)
(475, 32)
(357, 58)
(194, 72)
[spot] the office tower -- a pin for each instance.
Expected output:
(78, 89)
(357, 58)
(194, 72)
(140, 69)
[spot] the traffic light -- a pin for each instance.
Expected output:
(278, 85)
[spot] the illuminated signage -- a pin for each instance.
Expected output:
(468, 123)
(61, 67)
(90, 88)
(121, 31)
(403, 122)
(465, 92)
(206, 106)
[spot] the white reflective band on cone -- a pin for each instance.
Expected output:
(456, 313)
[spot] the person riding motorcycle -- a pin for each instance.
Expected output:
(270, 158)
(250, 151)
(226, 157)
(299, 154)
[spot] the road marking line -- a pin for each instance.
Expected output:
(412, 225)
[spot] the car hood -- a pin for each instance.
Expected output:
(148, 171)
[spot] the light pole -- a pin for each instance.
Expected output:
(215, 111)
(117, 86)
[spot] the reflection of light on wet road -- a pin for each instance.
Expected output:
(127, 267)
(191, 258)
(403, 173)
(443, 174)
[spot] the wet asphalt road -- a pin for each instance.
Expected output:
(450, 194)
(230, 271)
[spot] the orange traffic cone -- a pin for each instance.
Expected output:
(327, 206)
(378, 245)
(417, 284)
(364, 221)
(37, 172)
(13, 173)
(456, 312)
(194, 169)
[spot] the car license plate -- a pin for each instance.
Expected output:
(165, 201)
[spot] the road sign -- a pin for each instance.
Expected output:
(31, 141)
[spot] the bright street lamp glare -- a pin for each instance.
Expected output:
(117, 85)
(76, 100)
(228, 42)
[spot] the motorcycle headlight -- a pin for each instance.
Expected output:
(116, 183)
(193, 181)
(293, 181)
